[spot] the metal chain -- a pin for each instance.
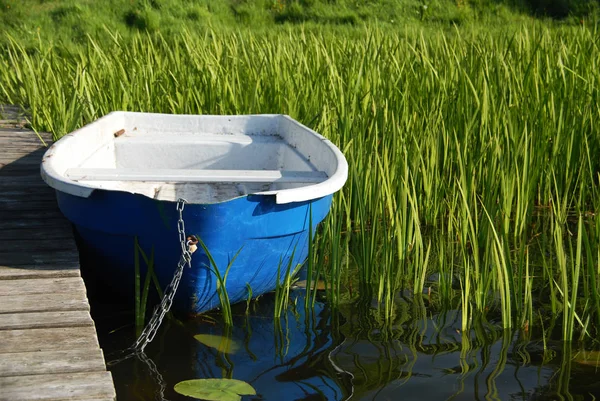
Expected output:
(188, 246)
(158, 378)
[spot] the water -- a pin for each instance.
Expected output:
(343, 355)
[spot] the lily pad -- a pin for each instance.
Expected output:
(221, 343)
(215, 389)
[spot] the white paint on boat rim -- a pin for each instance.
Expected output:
(268, 148)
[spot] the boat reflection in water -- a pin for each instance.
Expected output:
(286, 359)
(346, 355)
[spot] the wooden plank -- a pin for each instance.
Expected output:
(11, 134)
(23, 149)
(35, 229)
(37, 271)
(8, 165)
(63, 386)
(48, 345)
(11, 111)
(15, 167)
(19, 174)
(43, 362)
(25, 143)
(47, 197)
(29, 163)
(23, 195)
(75, 300)
(15, 153)
(27, 205)
(44, 245)
(47, 339)
(20, 138)
(34, 141)
(69, 285)
(40, 259)
(30, 214)
(21, 181)
(44, 320)
(24, 184)
(183, 175)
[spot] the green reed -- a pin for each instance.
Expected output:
(473, 156)
(142, 289)
(221, 281)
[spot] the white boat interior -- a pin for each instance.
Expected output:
(203, 159)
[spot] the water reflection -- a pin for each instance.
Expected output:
(289, 359)
(346, 355)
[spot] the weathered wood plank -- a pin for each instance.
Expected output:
(25, 142)
(21, 153)
(46, 197)
(44, 362)
(27, 181)
(18, 133)
(33, 258)
(47, 339)
(17, 170)
(8, 167)
(15, 138)
(39, 271)
(21, 150)
(44, 320)
(12, 182)
(12, 246)
(27, 205)
(23, 162)
(64, 386)
(20, 139)
(69, 285)
(12, 154)
(35, 229)
(26, 192)
(19, 175)
(11, 111)
(45, 325)
(25, 187)
(30, 214)
(74, 300)
(10, 138)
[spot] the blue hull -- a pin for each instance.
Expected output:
(266, 235)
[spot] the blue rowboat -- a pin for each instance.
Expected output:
(252, 185)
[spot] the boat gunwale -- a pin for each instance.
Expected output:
(61, 181)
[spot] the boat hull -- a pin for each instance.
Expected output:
(263, 234)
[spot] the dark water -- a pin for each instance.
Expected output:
(345, 355)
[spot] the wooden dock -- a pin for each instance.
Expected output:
(48, 344)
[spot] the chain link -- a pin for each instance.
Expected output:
(158, 378)
(165, 305)
(188, 246)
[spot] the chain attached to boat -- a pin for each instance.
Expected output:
(188, 246)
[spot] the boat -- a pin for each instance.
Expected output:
(252, 186)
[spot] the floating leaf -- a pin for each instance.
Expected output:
(215, 389)
(221, 343)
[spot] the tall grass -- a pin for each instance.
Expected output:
(473, 158)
